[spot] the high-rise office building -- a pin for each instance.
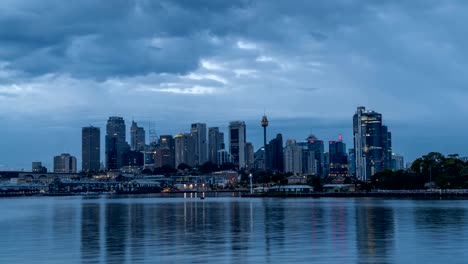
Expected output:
(237, 140)
(165, 153)
(293, 157)
(116, 145)
(315, 145)
(338, 158)
(90, 149)
(137, 137)
(182, 145)
(198, 132)
(215, 144)
(64, 163)
(275, 160)
(372, 143)
(37, 167)
(351, 162)
(398, 162)
(249, 156)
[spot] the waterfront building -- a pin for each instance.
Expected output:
(137, 137)
(37, 167)
(64, 163)
(90, 149)
(215, 144)
(372, 143)
(275, 160)
(293, 157)
(116, 145)
(133, 159)
(237, 140)
(198, 134)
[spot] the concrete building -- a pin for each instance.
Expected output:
(137, 137)
(182, 145)
(293, 157)
(64, 163)
(237, 141)
(198, 132)
(165, 153)
(223, 156)
(90, 149)
(215, 144)
(38, 168)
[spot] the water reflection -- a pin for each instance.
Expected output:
(117, 224)
(232, 230)
(90, 232)
(375, 228)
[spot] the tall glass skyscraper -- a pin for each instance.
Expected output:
(237, 140)
(372, 143)
(91, 149)
(115, 142)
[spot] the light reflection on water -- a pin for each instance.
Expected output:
(232, 230)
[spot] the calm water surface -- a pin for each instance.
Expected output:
(232, 230)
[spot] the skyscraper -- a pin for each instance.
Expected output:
(182, 149)
(372, 143)
(275, 160)
(316, 146)
(249, 156)
(215, 144)
(338, 158)
(198, 131)
(91, 149)
(165, 154)
(64, 163)
(292, 157)
(137, 137)
(115, 142)
(237, 140)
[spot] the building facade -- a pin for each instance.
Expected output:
(372, 143)
(293, 157)
(338, 158)
(116, 145)
(90, 149)
(237, 140)
(215, 144)
(198, 133)
(137, 137)
(275, 160)
(64, 163)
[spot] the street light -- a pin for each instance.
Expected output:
(250, 176)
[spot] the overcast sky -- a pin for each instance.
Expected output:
(308, 64)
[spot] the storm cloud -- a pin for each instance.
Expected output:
(308, 64)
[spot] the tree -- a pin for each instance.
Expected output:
(208, 167)
(183, 166)
(227, 166)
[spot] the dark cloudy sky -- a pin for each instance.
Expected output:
(309, 64)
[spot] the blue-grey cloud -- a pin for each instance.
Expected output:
(308, 63)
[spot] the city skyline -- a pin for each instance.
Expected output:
(308, 64)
